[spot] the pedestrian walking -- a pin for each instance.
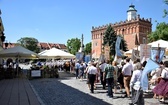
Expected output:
(92, 71)
(109, 77)
(102, 66)
(81, 71)
(115, 75)
(127, 72)
(135, 86)
(77, 65)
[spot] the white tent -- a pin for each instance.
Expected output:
(17, 52)
(129, 52)
(161, 43)
(42, 52)
(55, 53)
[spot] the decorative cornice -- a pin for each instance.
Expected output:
(123, 23)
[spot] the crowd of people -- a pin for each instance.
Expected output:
(115, 76)
(124, 75)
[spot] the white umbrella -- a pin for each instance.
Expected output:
(56, 53)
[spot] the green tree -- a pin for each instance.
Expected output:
(165, 10)
(88, 48)
(73, 45)
(29, 43)
(161, 32)
(109, 39)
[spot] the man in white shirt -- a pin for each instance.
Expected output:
(92, 71)
(127, 72)
(137, 92)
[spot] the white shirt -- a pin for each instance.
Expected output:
(156, 73)
(136, 76)
(127, 68)
(102, 66)
(165, 73)
(92, 70)
(134, 67)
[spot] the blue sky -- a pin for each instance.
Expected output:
(56, 21)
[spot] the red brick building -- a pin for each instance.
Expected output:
(42, 45)
(133, 26)
(45, 46)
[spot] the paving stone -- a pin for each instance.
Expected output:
(68, 90)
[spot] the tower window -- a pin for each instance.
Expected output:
(95, 43)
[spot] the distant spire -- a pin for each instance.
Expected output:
(82, 46)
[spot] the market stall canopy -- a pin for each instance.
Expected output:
(158, 43)
(55, 53)
(42, 52)
(18, 51)
(129, 52)
(161, 43)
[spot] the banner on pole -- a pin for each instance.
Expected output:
(145, 51)
(157, 53)
(150, 65)
(117, 47)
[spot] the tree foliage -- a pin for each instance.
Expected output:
(165, 10)
(29, 43)
(88, 48)
(110, 38)
(73, 45)
(161, 32)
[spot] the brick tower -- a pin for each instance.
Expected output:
(132, 27)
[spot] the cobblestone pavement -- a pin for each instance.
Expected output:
(71, 91)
